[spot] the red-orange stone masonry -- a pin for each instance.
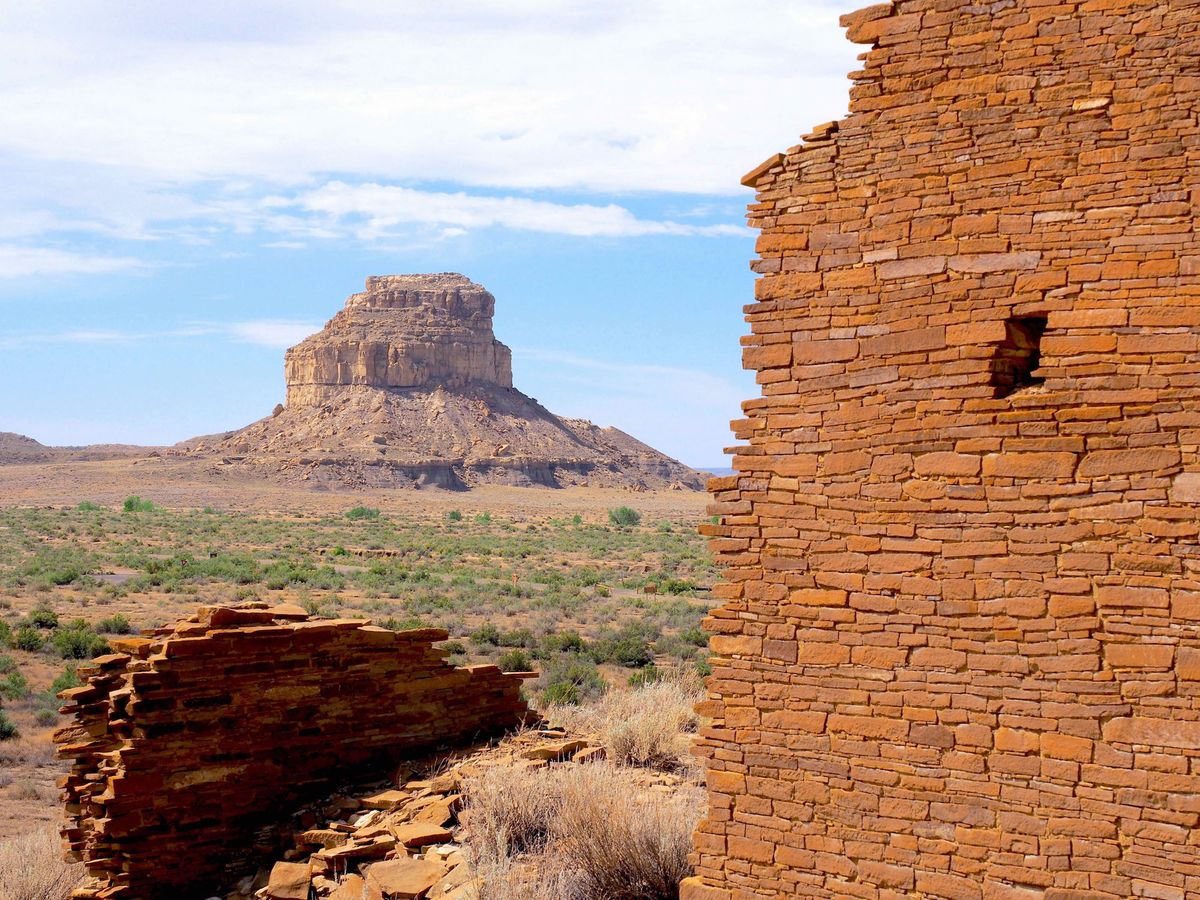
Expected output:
(186, 747)
(959, 651)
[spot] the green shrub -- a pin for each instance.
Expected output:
(8, 730)
(520, 637)
(67, 680)
(486, 634)
(577, 519)
(483, 519)
(55, 565)
(624, 516)
(135, 503)
(694, 634)
(405, 624)
(45, 717)
(78, 640)
(515, 661)
(629, 647)
(362, 512)
(454, 516)
(703, 668)
(7, 664)
(42, 617)
(14, 686)
(89, 506)
(6, 635)
(455, 648)
(570, 679)
(28, 638)
(117, 624)
(563, 642)
(339, 550)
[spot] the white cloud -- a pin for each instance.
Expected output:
(273, 333)
(383, 208)
(277, 333)
(24, 262)
(629, 95)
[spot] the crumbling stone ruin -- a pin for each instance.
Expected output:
(959, 652)
(407, 386)
(189, 745)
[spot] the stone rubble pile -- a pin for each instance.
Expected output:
(188, 745)
(406, 841)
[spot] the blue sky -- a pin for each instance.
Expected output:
(188, 192)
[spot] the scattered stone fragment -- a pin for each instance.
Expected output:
(404, 879)
(352, 887)
(420, 834)
(385, 800)
(289, 881)
(554, 751)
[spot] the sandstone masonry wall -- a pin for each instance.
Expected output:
(959, 652)
(185, 746)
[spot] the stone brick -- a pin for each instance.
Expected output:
(1029, 465)
(1102, 463)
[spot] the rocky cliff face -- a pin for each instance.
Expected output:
(407, 385)
(403, 331)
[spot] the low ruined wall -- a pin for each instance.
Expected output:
(959, 649)
(187, 744)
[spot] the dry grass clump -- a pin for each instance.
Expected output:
(585, 832)
(621, 845)
(650, 727)
(512, 811)
(32, 868)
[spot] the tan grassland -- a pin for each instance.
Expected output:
(514, 575)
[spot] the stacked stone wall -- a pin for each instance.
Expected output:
(186, 747)
(959, 651)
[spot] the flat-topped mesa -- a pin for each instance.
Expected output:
(408, 386)
(403, 331)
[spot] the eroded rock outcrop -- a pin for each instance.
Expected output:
(959, 651)
(403, 331)
(189, 745)
(407, 386)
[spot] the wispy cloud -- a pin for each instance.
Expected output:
(273, 333)
(629, 95)
(24, 262)
(278, 333)
(375, 211)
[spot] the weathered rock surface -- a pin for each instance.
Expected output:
(403, 331)
(189, 745)
(407, 386)
(959, 651)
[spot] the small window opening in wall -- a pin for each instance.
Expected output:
(1018, 355)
